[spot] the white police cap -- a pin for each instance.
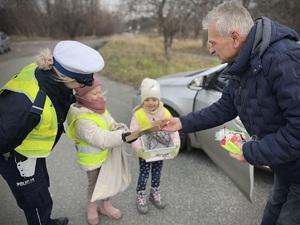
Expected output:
(76, 60)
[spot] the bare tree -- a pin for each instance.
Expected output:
(6, 13)
(55, 18)
(21, 16)
(201, 8)
(170, 16)
(285, 12)
(69, 16)
(278, 10)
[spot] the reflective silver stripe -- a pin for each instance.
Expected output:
(88, 149)
(38, 215)
(39, 108)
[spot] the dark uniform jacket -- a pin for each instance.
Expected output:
(264, 91)
(16, 121)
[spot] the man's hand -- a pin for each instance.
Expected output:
(239, 157)
(171, 124)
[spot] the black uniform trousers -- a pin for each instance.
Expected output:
(31, 193)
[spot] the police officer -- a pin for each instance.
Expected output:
(34, 105)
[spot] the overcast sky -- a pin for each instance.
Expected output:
(109, 4)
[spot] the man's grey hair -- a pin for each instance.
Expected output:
(230, 15)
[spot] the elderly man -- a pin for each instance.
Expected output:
(263, 59)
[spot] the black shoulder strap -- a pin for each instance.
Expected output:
(39, 102)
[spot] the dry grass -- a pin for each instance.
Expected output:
(129, 58)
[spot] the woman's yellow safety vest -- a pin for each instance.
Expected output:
(39, 142)
(87, 154)
(143, 120)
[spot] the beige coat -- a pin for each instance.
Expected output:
(89, 132)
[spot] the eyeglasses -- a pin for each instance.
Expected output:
(86, 82)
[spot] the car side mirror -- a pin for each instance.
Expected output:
(205, 83)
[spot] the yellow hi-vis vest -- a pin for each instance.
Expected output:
(87, 154)
(39, 142)
(143, 120)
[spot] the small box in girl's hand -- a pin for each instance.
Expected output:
(159, 144)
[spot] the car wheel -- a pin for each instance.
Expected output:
(182, 135)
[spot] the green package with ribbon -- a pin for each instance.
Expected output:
(228, 137)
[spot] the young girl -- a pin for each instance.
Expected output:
(150, 110)
(95, 132)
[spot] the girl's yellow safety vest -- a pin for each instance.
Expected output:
(87, 154)
(143, 120)
(39, 142)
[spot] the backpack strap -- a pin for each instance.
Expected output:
(39, 102)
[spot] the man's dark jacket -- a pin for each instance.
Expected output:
(264, 91)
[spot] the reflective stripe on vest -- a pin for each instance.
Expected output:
(143, 120)
(40, 140)
(86, 154)
(88, 149)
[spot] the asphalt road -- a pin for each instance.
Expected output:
(197, 192)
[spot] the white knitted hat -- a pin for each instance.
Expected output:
(150, 89)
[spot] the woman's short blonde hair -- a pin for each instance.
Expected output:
(44, 60)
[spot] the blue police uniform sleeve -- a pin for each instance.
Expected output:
(16, 121)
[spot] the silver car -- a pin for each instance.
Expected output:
(5, 42)
(190, 91)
